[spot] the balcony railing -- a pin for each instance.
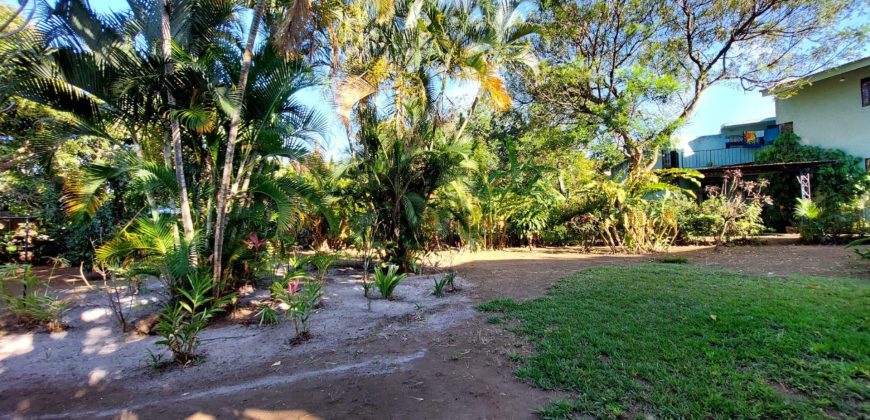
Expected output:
(717, 157)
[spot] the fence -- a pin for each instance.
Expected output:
(717, 157)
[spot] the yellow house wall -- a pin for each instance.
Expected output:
(829, 114)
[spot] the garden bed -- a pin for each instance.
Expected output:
(95, 355)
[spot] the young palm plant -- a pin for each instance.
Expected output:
(386, 281)
(183, 319)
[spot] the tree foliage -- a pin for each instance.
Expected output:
(634, 71)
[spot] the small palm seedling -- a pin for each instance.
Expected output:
(386, 282)
(439, 286)
(183, 319)
(450, 280)
(295, 263)
(322, 261)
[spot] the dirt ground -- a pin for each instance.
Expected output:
(418, 357)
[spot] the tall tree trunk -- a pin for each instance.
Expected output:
(468, 117)
(167, 162)
(235, 120)
(175, 129)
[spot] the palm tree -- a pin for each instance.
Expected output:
(103, 83)
(123, 87)
(175, 133)
(401, 174)
(232, 139)
(503, 44)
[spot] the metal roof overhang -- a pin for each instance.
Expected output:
(764, 168)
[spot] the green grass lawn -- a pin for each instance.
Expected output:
(680, 341)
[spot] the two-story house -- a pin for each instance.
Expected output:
(829, 109)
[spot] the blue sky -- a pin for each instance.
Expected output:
(720, 104)
(724, 104)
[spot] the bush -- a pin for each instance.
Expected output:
(386, 282)
(585, 229)
(824, 226)
(301, 298)
(835, 186)
(35, 306)
(809, 220)
(183, 319)
(733, 210)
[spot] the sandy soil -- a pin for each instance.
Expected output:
(418, 357)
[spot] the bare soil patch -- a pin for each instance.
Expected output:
(417, 357)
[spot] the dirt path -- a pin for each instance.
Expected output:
(417, 358)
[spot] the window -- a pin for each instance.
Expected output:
(865, 91)
(787, 128)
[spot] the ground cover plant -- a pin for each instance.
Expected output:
(681, 341)
(34, 305)
(860, 247)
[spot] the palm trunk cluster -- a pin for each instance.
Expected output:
(175, 130)
(223, 199)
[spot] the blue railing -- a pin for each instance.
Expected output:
(717, 157)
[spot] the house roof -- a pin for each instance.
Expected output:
(820, 75)
(764, 168)
(746, 123)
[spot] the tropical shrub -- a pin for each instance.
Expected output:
(400, 173)
(152, 247)
(386, 281)
(292, 275)
(809, 217)
(35, 306)
(636, 214)
(183, 319)
(834, 186)
(301, 298)
(584, 227)
(734, 208)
